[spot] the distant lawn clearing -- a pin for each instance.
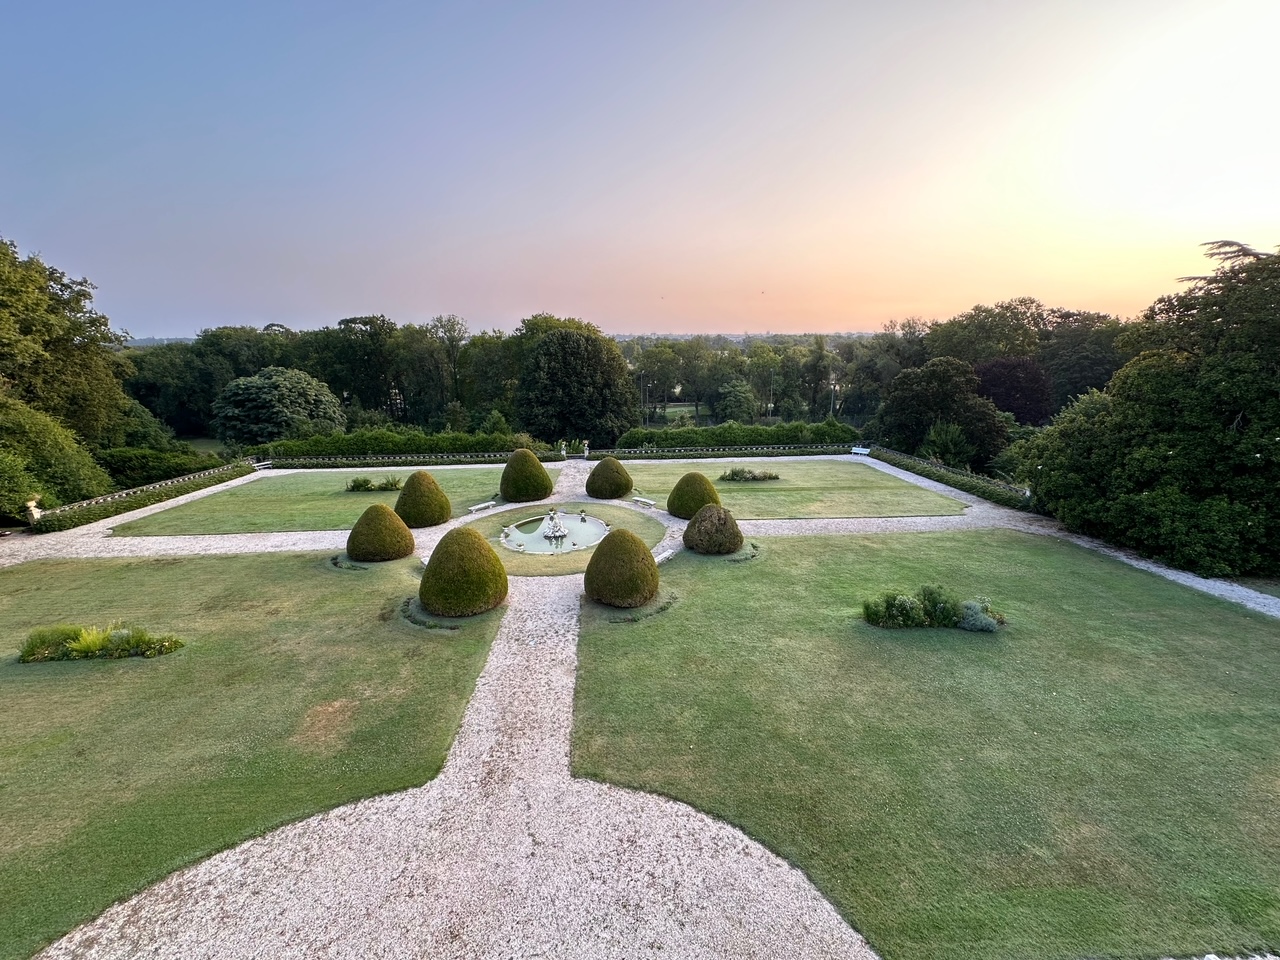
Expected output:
(806, 488)
(1099, 779)
(300, 689)
(312, 500)
(553, 565)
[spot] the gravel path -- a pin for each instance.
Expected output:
(504, 854)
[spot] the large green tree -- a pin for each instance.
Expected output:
(41, 458)
(277, 404)
(944, 390)
(574, 383)
(1180, 457)
(57, 353)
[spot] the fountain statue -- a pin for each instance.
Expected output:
(554, 530)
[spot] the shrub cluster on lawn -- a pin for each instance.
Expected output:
(379, 535)
(74, 515)
(364, 484)
(732, 434)
(464, 576)
(719, 453)
(73, 642)
(691, 493)
(980, 486)
(713, 531)
(422, 503)
(738, 474)
(622, 571)
(608, 480)
(524, 478)
(365, 443)
(931, 606)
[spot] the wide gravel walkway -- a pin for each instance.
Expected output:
(504, 854)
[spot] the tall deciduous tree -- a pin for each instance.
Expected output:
(944, 390)
(276, 404)
(1017, 385)
(575, 384)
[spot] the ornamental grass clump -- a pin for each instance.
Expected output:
(525, 478)
(463, 577)
(608, 480)
(379, 535)
(422, 503)
(69, 641)
(713, 531)
(622, 571)
(740, 474)
(691, 493)
(931, 606)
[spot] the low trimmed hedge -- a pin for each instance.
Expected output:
(137, 467)
(397, 460)
(731, 434)
(75, 515)
(380, 443)
(720, 453)
(980, 486)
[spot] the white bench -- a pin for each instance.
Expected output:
(862, 450)
(482, 506)
(644, 500)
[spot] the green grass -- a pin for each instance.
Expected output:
(309, 500)
(553, 565)
(300, 688)
(813, 488)
(1099, 779)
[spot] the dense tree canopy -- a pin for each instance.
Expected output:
(276, 404)
(576, 385)
(1180, 457)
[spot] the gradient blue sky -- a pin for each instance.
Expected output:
(658, 166)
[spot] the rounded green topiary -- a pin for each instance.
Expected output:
(622, 571)
(691, 494)
(463, 577)
(379, 535)
(421, 502)
(525, 478)
(609, 480)
(713, 530)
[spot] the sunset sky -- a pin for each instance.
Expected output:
(650, 167)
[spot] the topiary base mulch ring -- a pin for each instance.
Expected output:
(661, 603)
(412, 611)
(340, 561)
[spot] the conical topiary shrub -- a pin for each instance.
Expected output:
(379, 535)
(713, 530)
(525, 478)
(622, 571)
(609, 480)
(463, 577)
(421, 502)
(691, 494)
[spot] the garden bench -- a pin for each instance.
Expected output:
(644, 501)
(482, 506)
(862, 450)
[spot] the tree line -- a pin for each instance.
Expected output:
(1159, 433)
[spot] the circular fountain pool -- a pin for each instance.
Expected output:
(554, 533)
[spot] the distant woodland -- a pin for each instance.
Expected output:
(1160, 432)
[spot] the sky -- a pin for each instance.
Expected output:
(671, 167)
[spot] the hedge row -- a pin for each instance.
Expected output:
(137, 467)
(406, 460)
(713, 453)
(978, 485)
(74, 515)
(731, 434)
(368, 443)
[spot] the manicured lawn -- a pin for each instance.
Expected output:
(311, 500)
(1099, 779)
(300, 688)
(546, 565)
(810, 488)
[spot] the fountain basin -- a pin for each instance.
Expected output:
(542, 534)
